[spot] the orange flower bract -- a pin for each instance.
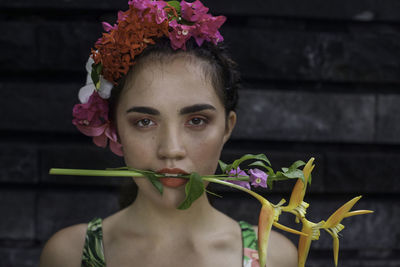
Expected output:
(117, 49)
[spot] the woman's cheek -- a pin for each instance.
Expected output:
(207, 152)
(137, 154)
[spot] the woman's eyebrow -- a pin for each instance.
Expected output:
(145, 110)
(196, 108)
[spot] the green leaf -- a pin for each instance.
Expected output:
(223, 166)
(153, 180)
(270, 171)
(176, 5)
(297, 164)
(96, 72)
(278, 176)
(294, 174)
(194, 189)
(261, 157)
(259, 164)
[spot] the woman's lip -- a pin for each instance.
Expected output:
(171, 171)
(172, 181)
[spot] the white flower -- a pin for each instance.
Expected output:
(105, 88)
(86, 91)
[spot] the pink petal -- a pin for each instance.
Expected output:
(100, 140)
(107, 26)
(91, 131)
(116, 148)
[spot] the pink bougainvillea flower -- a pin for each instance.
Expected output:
(207, 29)
(121, 16)
(193, 11)
(109, 136)
(107, 26)
(258, 178)
(159, 11)
(91, 119)
(92, 114)
(239, 173)
(179, 34)
(140, 4)
(155, 8)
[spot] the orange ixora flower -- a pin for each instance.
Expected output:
(117, 49)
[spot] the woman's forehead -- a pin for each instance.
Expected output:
(179, 76)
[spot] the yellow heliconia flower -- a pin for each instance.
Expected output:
(296, 204)
(265, 222)
(268, 217)
(333, 225)
(313, 233)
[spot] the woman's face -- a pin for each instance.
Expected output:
(170, 119)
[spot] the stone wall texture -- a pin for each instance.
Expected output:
(320, 78)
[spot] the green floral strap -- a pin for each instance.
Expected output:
(249, 239)
(248, 235)
(93, 255)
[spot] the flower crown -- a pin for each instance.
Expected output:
(141, 25)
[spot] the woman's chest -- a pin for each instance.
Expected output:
(176, 253)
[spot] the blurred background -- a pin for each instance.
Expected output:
(321, 79)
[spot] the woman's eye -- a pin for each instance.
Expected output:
(144, 123)
(196, 121)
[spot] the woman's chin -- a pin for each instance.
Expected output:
(172, 197)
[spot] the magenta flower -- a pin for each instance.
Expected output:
(258, 178)
(121, 16)
(236, 173)
(180, 34)
(107, 26)
(207, 29)
(156, 9)
(91, 119)
(206, 26)
(94, 113)
(140, 4)
(193, 11)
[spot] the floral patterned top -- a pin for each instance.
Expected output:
(93, 253)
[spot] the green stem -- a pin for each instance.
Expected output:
(129, 173)
(254, 194)
(82, 172)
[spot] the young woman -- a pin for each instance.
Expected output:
(172, 113)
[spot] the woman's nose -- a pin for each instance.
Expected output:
(170, 144)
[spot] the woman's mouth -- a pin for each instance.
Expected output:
(171, 181)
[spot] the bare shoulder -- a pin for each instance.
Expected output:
(64, 248)
(281, 251)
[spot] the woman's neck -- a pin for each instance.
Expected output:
(158, 219)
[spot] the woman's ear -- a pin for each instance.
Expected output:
(230, 125)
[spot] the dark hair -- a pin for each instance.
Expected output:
(219, 68)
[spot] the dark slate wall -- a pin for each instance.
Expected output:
(321, 78)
